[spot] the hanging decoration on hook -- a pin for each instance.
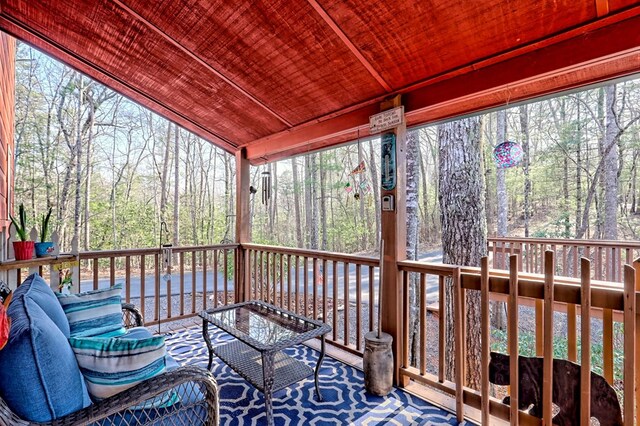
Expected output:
(507, 154)
(266, 187)
(166, 249)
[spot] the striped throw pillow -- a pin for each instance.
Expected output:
(94, 313)
(112, 365)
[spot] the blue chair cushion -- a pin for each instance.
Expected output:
(36, 289)
(94, 313)
(39, 375)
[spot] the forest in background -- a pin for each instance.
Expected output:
(113, 171)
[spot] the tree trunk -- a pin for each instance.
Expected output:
(524, 128)
(413, 177)
(165, 175)
(464, 228)
(176, 189)
(323, 201)
(296, 202)
(578, 170)
(610, 172)
(87, 193)
(313, 229)
(78, 205)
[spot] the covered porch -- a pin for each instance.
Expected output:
(269, 81)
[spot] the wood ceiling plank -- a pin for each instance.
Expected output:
(202, 62)
(425, 38)
(597, 53)
(336, 29)
(280, 50)
(113, 42)
(122, 87)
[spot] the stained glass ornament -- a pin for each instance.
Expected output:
(507, 154)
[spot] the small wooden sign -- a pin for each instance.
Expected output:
(386, 120)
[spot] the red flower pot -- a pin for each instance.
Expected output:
(23, 249)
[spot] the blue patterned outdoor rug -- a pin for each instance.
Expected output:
(342, 386)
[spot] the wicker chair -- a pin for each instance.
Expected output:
(198, 398)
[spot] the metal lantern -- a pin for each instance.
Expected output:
(507, 154)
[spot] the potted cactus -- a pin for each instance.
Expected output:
(22, 248)
(44, 247)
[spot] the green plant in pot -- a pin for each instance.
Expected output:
(23, 248)
(44, 247)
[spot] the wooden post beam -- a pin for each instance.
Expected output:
(394, 234)
(242, 285)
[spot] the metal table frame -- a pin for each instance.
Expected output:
(256, 361)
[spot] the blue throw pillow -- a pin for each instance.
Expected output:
(39, 375)
(94, 313)
(36, 289)
(113, 365)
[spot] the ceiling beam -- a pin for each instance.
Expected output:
(202, 62)
(595, 52)
(352, 47)
(75, 61)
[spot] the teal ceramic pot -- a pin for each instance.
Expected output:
(44, 249)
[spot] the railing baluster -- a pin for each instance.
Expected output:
(547, 362)
(512, 339)
(193, 282)
(406, 315)
(297, 306)
(335, 300)
(215, 283)
(156, 279)
(181, 257)
(486, 338)
(225, 278)
(112, 271)
(305, 265)
(268, 275)
(127, 279)
(345, 267)
(142, 285)
(423, 324)
(95, 274)
(315, 288)
(324, 290)
(459, 345)
(282, 281)
(629, 343)
(585, 338)
(204, 279)
(289, 282)
(441, 328)
(371, 297)
(358, 307)
(169, 283)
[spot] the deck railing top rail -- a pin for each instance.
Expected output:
(567, 242)
(317, 254)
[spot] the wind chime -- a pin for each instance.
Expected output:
(361, 187)
(266, 187)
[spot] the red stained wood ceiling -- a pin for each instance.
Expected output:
(282, 77)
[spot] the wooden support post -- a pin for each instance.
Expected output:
(394, 234)
(547, 363)
(585, 339)
(242, 285)
(512, 339)
(636, 266)
(629, 343)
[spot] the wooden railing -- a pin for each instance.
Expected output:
(598, 301)
(168, 285)
(607, 257)
(341, 290)
(334, 287)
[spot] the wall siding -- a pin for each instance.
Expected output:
(7, 116)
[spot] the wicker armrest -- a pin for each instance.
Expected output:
(131, 316)
(198, 379)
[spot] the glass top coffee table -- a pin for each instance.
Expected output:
(262, 331)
